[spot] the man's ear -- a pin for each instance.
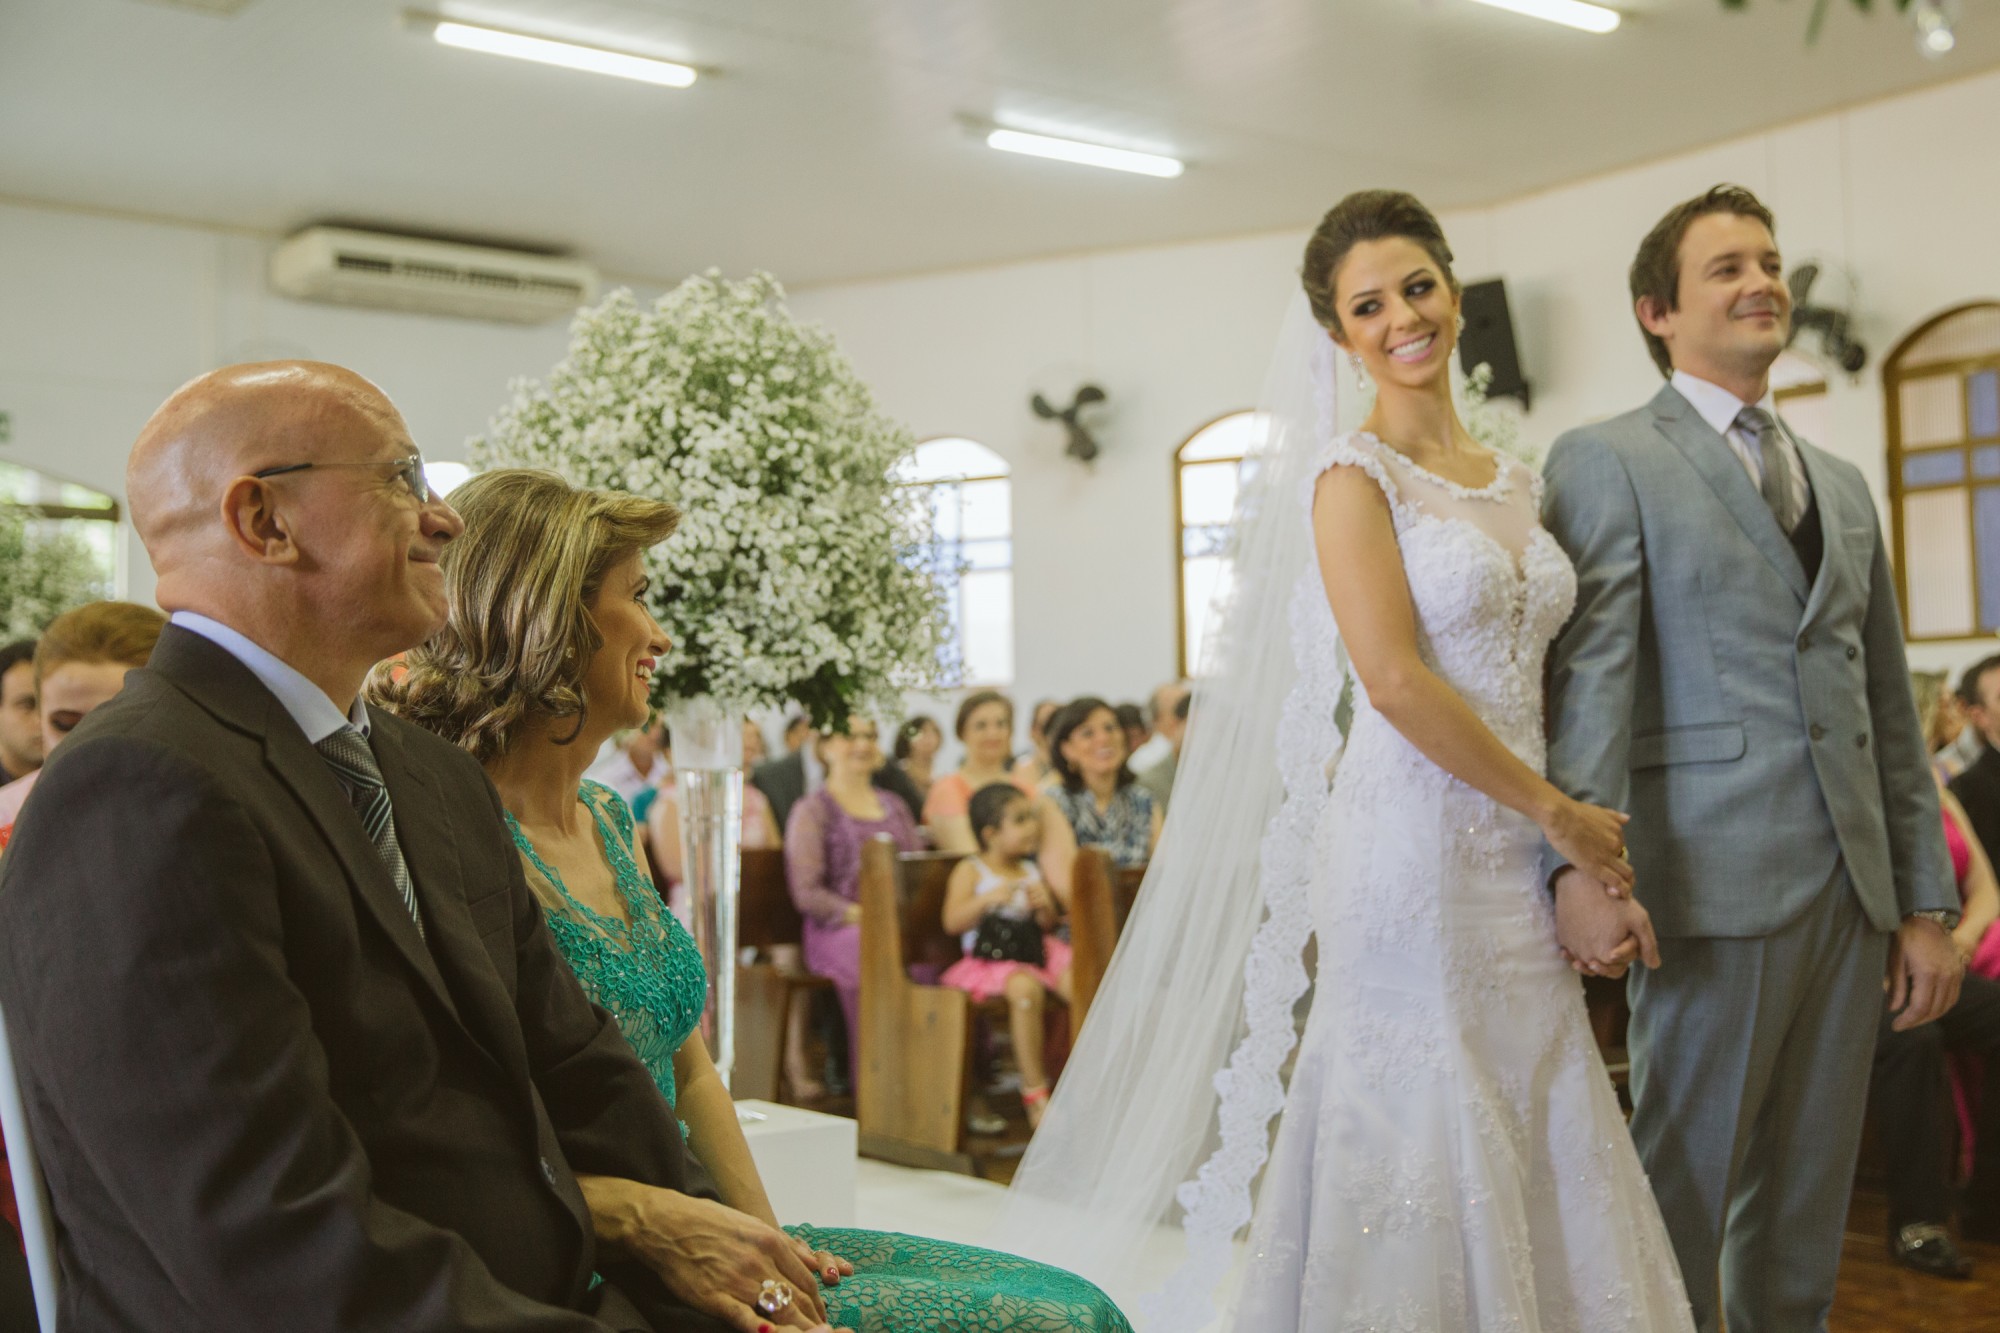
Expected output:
(1653, 318)
(256, 524)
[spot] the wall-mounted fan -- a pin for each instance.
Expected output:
(1081, 445)
(1829, 320)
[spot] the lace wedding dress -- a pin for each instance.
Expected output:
(1451, 1154)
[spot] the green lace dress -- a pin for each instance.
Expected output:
(649, 976)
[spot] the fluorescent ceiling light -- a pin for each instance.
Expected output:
(1569, 13)
(1087, 154)
(594, 59)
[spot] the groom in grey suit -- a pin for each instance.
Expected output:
(1734, 679)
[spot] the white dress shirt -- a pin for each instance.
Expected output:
(318, 716)
(1719, 408)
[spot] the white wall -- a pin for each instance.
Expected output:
(1904, 192)
(100, 318)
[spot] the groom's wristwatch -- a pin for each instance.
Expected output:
(1947, 919)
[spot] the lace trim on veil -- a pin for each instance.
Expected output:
(1218, 1201)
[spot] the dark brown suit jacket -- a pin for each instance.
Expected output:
(262, 1101)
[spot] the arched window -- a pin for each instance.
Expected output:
(1942, 386)
(1205, 476)
(972, 525)
(58, 548)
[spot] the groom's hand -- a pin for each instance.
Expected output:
(1925, 969)
(1599, 934)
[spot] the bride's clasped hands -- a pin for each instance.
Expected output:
(1601, 927)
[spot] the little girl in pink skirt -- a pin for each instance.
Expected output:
(1008, 916)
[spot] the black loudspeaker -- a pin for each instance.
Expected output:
(1489, 339)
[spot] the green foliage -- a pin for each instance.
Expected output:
(44, 570)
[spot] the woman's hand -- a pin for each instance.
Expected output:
(829, 1266)
(1040, 897)
(1592, 839)
(717, 1260)
(852, 916)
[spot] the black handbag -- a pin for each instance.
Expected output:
(1009, 939)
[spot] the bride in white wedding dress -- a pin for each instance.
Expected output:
(1451, 1155)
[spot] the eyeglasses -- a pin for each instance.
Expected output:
(410, 469)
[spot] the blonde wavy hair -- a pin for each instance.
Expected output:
(1929, 687)
(518, 637)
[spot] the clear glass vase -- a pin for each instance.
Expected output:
(707, 741)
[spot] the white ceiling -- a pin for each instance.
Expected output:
(830, 143)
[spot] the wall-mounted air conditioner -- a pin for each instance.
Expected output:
(387, 272)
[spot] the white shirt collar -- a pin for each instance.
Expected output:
(1717, 406)
(317, 715)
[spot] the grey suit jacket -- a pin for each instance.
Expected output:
(262, 1100)
(1758, 729)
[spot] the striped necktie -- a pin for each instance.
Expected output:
(347, 753)
(1777, 470)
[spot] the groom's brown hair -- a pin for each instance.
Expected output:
(1656, 269)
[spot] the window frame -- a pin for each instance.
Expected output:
(958, 591)
(1183, 668)
(1895, 373)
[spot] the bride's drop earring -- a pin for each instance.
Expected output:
(1360, 368)
(1461, 325)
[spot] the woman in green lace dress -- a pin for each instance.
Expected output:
(548, 649)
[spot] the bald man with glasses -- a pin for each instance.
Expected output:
(295, 1046)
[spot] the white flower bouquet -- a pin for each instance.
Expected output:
(797, 571)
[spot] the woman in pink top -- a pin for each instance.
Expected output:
(985, 727)
(1909, 1096)
(823, 840)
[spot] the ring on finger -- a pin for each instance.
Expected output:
(774, 1297)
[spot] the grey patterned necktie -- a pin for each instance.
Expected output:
(1760, 426)
(347, 753)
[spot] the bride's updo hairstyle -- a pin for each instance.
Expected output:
(518, 637)
(1367, 215)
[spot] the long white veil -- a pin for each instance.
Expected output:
(1164, 1111)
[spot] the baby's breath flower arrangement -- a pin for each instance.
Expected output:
(796, 574)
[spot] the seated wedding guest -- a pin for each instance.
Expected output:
(998, 902)
(1097, 802)
(529, 694)
(1159, 708)
(636, 763)
(81, 660)
(755, 748)
(1132, 719)
(823, 841)
(918, 741)
(1978, 786)
(985, 727)
(1158, 778)
(1954, 743)
(295, 1046)
(787, 781)
(1912, 1098)
(20, 720)
(1033, 769)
